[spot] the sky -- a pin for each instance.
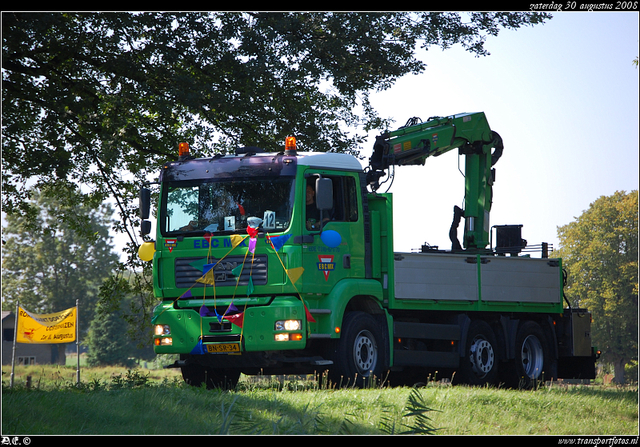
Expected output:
(564, 98)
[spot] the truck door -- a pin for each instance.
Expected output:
(333, 248)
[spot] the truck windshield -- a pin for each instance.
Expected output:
(227, 206)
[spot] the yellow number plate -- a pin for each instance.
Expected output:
(223, 348)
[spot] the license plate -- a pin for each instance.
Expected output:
(223, 348)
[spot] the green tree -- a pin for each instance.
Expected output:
(116, 336)
(60, 255)
(103, 99)
(600, 252)
(107, 339)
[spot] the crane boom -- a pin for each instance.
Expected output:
(470, 133)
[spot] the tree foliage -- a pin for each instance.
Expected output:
(117, 333)
(61, 255)
(103, 99)
(92, 95)
(600, 252)
(107, 341)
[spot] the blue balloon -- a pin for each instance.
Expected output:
(331, 238)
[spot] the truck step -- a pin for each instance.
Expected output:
(322, 362)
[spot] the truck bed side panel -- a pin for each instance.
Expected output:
(511, 279)
(448, 277)
(435, 277)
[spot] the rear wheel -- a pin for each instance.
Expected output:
(479, 366)
(533, 362)
(359, 355)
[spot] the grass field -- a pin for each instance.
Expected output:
(155, 402)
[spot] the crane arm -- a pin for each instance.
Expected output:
(470, 133)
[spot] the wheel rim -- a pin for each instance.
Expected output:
(532, 357)
(481, 356)
(365, 352)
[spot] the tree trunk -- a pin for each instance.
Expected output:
(62, 355)
(618, 370)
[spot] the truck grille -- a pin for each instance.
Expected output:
(187, 275)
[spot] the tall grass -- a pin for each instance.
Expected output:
(116, 401)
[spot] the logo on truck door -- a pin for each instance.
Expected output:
(170, 244)
(326, 265)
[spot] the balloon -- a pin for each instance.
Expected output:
(254, 222)
(146, 251)
(331, 238)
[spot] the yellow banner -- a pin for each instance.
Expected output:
(59, 327)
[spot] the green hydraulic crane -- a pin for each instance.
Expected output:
(470, 133)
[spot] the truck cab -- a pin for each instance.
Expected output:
(254, 254)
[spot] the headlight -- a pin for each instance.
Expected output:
(288, 325)
(162, 329)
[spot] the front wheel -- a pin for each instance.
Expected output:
(360, 354)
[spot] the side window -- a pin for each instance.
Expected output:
(345, 202)
(182, 207)
(345, 199)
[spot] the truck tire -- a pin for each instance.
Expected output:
(359, 354)
(532, 355)
(196, 375)
(479, 365)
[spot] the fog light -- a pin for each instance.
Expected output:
(288, 325)
(288, 337)
(166, 341)
(282, 337)
(162, 329)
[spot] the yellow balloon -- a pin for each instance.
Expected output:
(146, 251)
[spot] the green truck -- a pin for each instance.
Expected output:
(284, 263)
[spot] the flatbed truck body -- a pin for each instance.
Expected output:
(253, 280)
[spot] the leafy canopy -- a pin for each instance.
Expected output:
(103, 99)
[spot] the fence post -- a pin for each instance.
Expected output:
(78, 341)
(15, 336)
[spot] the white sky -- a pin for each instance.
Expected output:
(564, 98)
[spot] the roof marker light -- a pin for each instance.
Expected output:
(183, 150)
(290, 146)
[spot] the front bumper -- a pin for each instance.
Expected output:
(251, 329)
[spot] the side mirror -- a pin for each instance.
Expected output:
(145, 227)
(145, 205)
(144, 202)
(324, 194)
